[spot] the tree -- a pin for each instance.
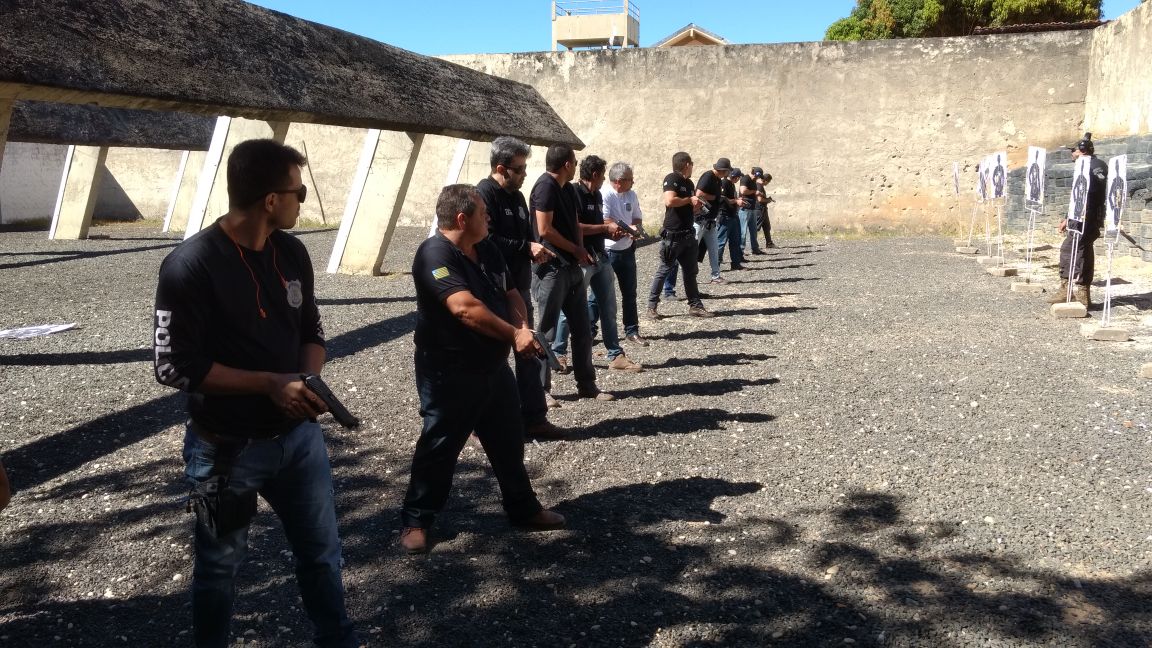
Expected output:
(875, 19)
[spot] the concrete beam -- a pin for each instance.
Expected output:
(79, 187)
(211, 199)
(5, 122)
(374, 202)
(184, 192)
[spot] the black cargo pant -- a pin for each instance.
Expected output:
(678, 246)
(1084, 253)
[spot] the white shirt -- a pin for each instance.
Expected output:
(626, 207)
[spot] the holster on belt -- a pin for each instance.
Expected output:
(220, 508)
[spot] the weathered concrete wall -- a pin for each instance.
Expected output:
(1119, 99)
(855, 134)
(29, 181)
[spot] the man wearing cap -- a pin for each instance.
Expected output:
(679, 237)
(710, 189)
(1093, 220)
(727, 225)
(762, 197)
(750, 210)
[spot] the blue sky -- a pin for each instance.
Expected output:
(475, 26)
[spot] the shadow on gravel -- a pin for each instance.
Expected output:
(762, 295)
(365, 337)
(362, 301)
(682, 422)
(80, 358)
(707, 388)
(780, 310)
(712, 360)
(710, 335)
(790, 267)
(75, 256)
(774, 281)
(52, 456)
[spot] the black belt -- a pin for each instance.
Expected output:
(677, 235)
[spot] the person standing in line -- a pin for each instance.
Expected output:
(621, 203)
(468, 316)
(728, 224)
(710, 189)
(678, 246)
(513, 232)
(750, 210)
(1094, 212)
(763, 200)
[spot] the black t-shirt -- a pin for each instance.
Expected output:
(727, 190)
(710, 184)
(510, 228)
(749, 201)
(591, 213)
(549, 196)
(209, 302)
(441, 269)
(1097, 185)
(679, 218)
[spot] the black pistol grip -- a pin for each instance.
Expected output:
(335, 407)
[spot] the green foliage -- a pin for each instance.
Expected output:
(875, 19)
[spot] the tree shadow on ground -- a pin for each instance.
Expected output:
(711, 360)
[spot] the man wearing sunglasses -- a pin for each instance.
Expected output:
(513, 230)
(236, 324)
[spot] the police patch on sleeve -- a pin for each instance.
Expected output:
(440, 273)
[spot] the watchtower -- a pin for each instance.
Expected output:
(595, 23)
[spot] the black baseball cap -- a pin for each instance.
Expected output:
(723, 164)
(757, 172)
(1085, 145)
(735, 172)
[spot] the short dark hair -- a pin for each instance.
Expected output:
(680, 161)
(557, 156)
(258, 167)
(505, 149)
(592, 165)
(767, 178)
(455, 199)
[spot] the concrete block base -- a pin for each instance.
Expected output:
(967, 250)
(989, 260)
(1146, 371)
(1023, 249)
(1069, 310)
(1026, 287)
(1094, 331)
(1002, 271)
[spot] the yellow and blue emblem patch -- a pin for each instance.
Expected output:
(440, 273)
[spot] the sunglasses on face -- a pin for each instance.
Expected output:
(520, 170)
(301, 192)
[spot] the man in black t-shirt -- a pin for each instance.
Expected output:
(236, 325)
(750, 211)
(513, 231)
(559, 284)
(468, 316)
(764, 200)
(728, 224)
(1094, 212)
(679, 237)
(710, 188)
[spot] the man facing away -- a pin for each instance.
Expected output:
(513, 231)
(236, 326)
(468, 316)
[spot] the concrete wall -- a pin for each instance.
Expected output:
(856, 134)
(1119, 100)
(29, 181)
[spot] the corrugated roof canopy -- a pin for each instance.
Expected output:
(233, 58)
(55, 123)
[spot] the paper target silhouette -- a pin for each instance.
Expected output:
(1117, 192)
(982, 179)
(999, 176)
(1079, 200)
(1035, 176)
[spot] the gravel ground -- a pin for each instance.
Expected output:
(874, 443)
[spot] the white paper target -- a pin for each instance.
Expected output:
(1078, 202)
(999, 174)
(1117, 194)
(1034, 175)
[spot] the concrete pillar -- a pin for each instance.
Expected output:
(374, 201)
(454, 169)
(184, 194)
(211, 199)
(5, 120)
(79, 187)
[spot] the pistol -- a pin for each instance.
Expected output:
(553, 362)
(339, 412)
(628, 229)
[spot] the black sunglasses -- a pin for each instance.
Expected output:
(301, 192)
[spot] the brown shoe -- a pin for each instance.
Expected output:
(1060, 295)
(545, 430)
(654, 315)
(549, 402)
(414, 540)
(699, 311)
(545, 520)
(597, 394)
(1083, 294)
(636, 339)
(623, 363)
(562, 360)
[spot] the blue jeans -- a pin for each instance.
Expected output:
(624, 266)
(707, 235)
(749, 224)
(728, 234)
(456, 401)
(292, 474)
(600, 285)
(670, 282)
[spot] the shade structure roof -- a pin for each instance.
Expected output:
(228, 57)
(44, 122)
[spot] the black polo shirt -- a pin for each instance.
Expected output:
(710, 184)
(748, 202)
(440, 270)
(510, 228)
(727, 190)
(679, 218)
(591, 213)
(549, 196)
